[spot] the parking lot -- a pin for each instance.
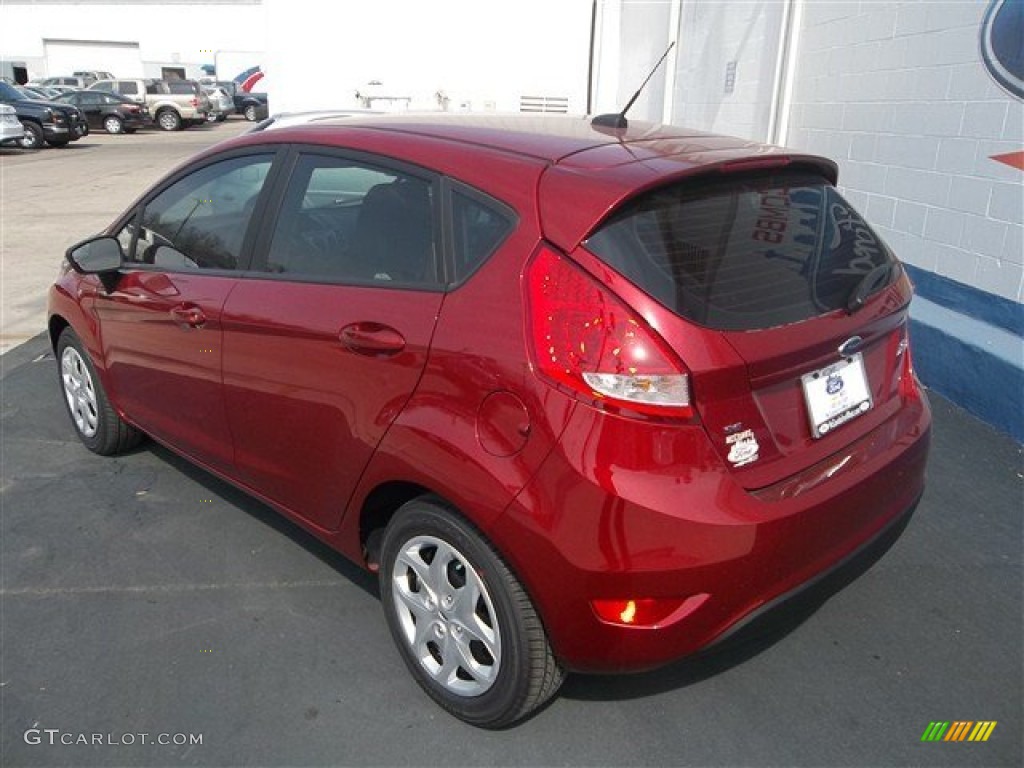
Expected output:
(139, 595)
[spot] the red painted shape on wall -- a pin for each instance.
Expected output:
(1013, 159)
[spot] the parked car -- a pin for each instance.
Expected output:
(221, 103)
(92, 75)
(11, 131)
(252, 106)
(51, 122)
(72, 81)
(594, 436)
(44, 92)
(170, 111)
(291, 119)
(109, 111)
(192, 89)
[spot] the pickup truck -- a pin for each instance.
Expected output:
(173, 105)
(253, 106)
(44, 121)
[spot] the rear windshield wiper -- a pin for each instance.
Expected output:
(871, 283)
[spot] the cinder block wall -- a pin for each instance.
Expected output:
(927, 142)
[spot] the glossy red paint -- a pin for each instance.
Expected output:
(335, 403)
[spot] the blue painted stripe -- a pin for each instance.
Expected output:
(967, 300)
(978, 366)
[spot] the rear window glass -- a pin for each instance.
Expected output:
(744, 254)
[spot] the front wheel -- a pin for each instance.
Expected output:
(169, 120)
(464, 625)
(96, 422)
(33, 138)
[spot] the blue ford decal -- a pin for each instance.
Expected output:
(1002, 44)
(834, 384)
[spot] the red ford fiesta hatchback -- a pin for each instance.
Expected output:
(586, 398)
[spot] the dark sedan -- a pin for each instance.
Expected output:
(109, 111)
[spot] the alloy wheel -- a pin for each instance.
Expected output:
(79, 392)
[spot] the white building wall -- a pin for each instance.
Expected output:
(720, 77)
(897, 93)
(185, 34)
(726, 73)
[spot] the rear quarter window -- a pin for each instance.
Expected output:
(480, 225)
(744, 254)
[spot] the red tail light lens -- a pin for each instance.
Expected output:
(195, 102)
(585, 339)
(908, 379)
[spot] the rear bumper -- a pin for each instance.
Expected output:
(686, 531)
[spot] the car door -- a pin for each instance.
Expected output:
(323, 349)
(91, 106)
(186, 247)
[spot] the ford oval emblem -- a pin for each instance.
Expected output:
(850, 346)
(1001, 49)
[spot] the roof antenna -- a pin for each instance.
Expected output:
(613, 120)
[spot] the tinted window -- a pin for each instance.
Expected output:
(744, 254)
(478, 230)
(181, 87)
(199, 222)
(90, 98)
(349, 222)
(128, 88)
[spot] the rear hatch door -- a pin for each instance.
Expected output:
(787, 308)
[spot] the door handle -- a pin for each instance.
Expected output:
(372, 339)
(188, 316)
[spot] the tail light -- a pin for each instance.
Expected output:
(909, 386)
(194, 102)
(584, 339)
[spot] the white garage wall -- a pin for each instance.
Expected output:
(175, 33)
(67, 57)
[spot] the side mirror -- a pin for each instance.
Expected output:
(100, 256)
(96, 256)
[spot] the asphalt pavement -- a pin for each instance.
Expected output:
(142, 601)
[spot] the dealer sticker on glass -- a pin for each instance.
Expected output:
(835, 394)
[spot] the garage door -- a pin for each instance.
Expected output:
(63, 57)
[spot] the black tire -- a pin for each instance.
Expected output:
(250, 113)
(58, 143)
(113, 124)
(221, 118)
(95, 421)
(169, 120)
(500, 664)
(33, 138)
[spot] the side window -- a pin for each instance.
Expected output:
(343, 221)
(91, 98)
(199, 222)
(478, 230)
(128, 88)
